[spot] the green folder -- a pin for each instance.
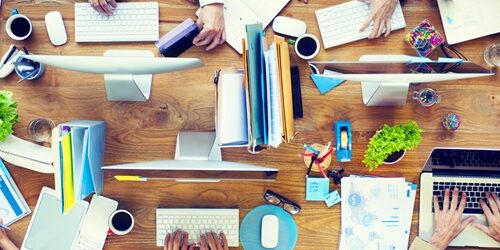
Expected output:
(254, 61)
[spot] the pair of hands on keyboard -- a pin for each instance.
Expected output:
(210, 22)
(178, 240)
(448, 222)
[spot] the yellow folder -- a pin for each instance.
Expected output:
(285, 80)
(68, 191)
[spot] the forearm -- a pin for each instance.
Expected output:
(207, 2)
(6, 244)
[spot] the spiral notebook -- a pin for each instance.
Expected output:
(12, 204)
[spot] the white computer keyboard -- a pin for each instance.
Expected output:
(130, 22)
(340, 24)
(86, 242)
(196, 221)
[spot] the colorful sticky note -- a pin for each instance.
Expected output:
(325, 84)
(317, 188)
(332, 198)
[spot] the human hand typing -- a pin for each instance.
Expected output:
(448, 220)
(381, 16)
(103, 6)
(212, 241)
(211, 25)
(177, 240)
(492, 213)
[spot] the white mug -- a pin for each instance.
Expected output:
(307, 46)
(18, 27)
(121, 222)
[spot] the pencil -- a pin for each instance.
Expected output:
(321, 169)
(316, 152)
(321, 159)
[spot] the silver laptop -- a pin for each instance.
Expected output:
(474, 171)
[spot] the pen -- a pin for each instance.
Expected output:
(316, 152)
(130, 178)
(216, 76)
(326, 155)
(325, 149)
(321, 169)
(4, 227)
(310, 165)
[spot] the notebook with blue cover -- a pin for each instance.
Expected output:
(12, 204)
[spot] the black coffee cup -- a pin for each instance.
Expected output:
(307, 46)
(121, 222)
(18, 27)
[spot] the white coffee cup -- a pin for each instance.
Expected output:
(121, 222)
(18, 27)
(307, 46)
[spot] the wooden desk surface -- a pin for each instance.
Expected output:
(185, 101)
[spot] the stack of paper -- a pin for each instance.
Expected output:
(255, 105)
(268, 81)
(376, 213)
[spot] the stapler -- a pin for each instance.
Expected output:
(343, 139)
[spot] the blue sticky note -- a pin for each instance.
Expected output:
(325, 84)
(317, 188)
(332, 198)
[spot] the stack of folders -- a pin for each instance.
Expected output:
(79, 157)
(376, 213)
(255, 105)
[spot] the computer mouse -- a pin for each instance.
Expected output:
(55, 28)
(289, 26)
(269, 231)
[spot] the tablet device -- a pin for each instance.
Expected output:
(49, 227)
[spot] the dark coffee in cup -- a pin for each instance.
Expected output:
(307, 46)
(121, 222)
(20, 27)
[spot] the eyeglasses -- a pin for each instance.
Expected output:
(278, 200)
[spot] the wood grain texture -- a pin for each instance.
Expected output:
(185, 101)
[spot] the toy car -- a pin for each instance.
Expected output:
(343, 141)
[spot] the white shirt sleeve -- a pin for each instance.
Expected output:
(206, 2)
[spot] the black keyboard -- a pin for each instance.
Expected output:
(466, 158)
(475, 192)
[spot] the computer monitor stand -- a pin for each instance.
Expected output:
(197, 146)
(384, 94)
(128, 87)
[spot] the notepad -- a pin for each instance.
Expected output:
(12, 204)
(232, 119)
(317, 188)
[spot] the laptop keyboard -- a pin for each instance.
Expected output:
(466, 158)
(475, 192)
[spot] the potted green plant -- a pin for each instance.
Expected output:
(8, 114)
(390, 143)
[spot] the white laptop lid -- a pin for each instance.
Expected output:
(464, 20)
(51, 229)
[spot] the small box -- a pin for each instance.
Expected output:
(179, 39)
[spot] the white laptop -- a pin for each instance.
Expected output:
(474, 171)
(464, 20)
(238, 13)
